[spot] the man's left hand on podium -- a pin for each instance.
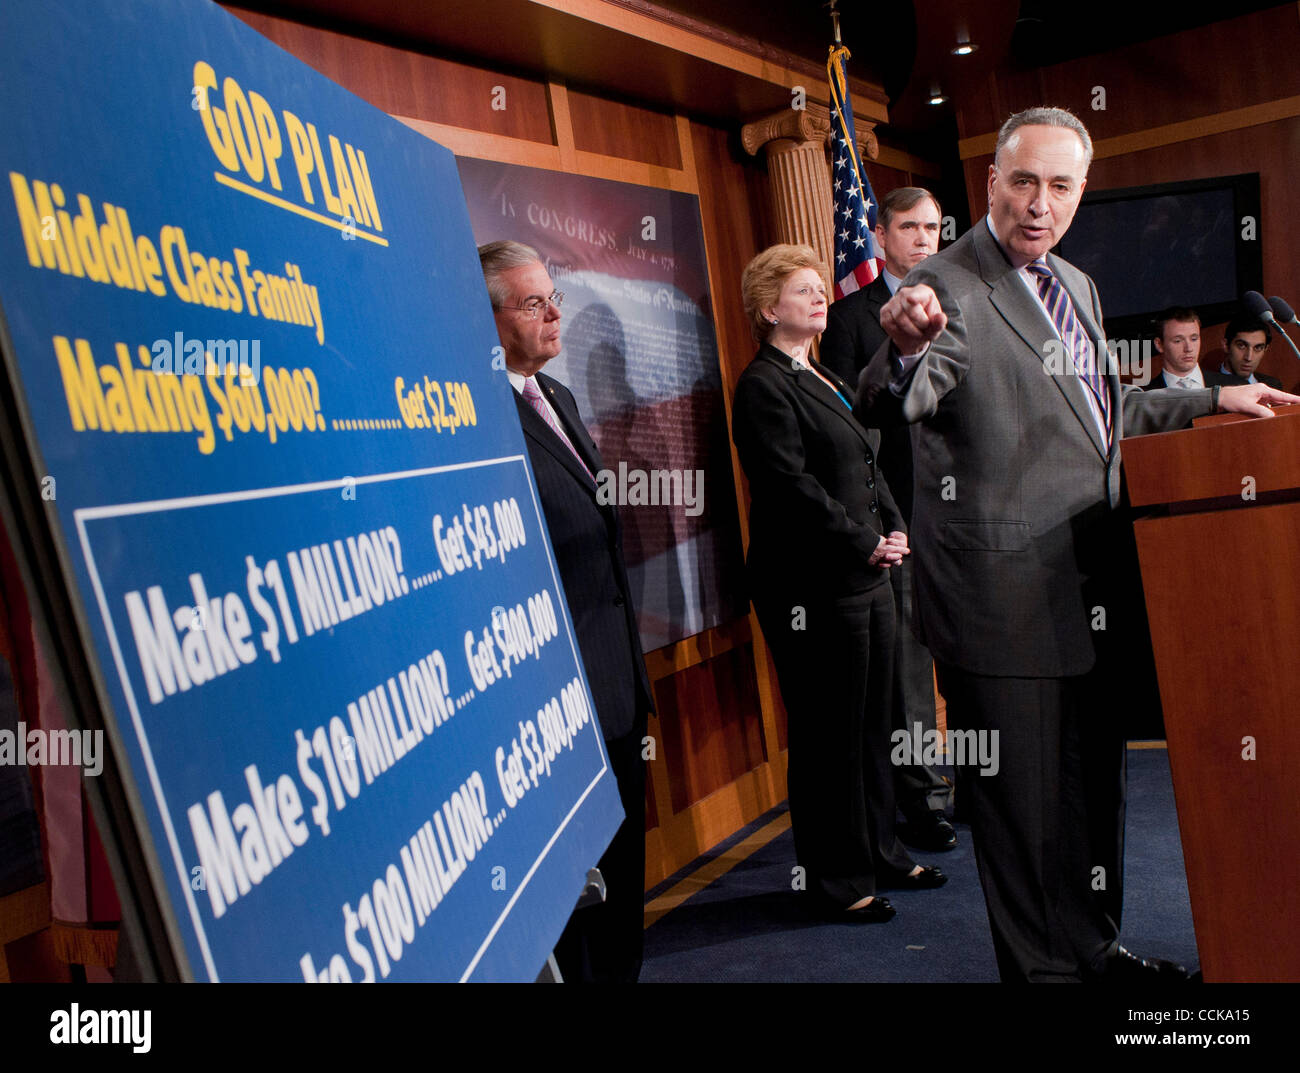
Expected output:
(1254, 399)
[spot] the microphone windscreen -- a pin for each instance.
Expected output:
(1257, 305)
(1281, 310)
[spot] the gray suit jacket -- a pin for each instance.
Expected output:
(1015, 489)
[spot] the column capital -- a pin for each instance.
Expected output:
(808, 124)
(811, 123)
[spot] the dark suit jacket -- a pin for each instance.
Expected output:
(1015, 489)
(1163, 381)
(588, 545)
(853, 334)
(818, 508)
(1215, 378)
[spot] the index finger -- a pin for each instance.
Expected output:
(920, 292)
(925, 313)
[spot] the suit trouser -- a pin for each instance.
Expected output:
(603, 943)
(918, 787)
(1048, 827)
(834, 661)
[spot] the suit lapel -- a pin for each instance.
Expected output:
(540, 432)
(810, 385)
(877, 295)
(1027, 318)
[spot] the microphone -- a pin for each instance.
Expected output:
(1258, 306)
(1284, 313)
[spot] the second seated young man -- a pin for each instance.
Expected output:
(1246, 341)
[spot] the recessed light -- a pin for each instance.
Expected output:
(938, 98)
(964, 49)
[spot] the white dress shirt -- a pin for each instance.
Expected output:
(1188, 381)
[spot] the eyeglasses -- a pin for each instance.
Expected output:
(537, 305)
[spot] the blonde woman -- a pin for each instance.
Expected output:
(824, 532)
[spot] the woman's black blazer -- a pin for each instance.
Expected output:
(818, 503)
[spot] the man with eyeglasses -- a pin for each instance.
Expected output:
(601, 943)
(1246, 341)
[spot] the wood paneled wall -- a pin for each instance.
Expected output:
(720, 731)
(1217, 100)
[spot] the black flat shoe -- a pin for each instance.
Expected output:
(876, 911)
(928, 878)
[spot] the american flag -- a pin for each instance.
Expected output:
(858, 259)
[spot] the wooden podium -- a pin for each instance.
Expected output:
(1221, 575)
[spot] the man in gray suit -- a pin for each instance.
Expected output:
(1016, 489)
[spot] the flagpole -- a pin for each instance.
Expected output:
(857, 259)
(835, 22)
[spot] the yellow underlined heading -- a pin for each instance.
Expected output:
(280, 202)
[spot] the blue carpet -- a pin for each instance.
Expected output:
(749, 925)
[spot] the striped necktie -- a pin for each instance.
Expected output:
(534, 399)
(1061, 310)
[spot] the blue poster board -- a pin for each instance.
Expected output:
(265, 413)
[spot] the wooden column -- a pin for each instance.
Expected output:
(800, 176)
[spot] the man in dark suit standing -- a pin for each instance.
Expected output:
(601, 943)
(1178, 342)
(907, 230)
(1017, 461)
(1246, 341)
